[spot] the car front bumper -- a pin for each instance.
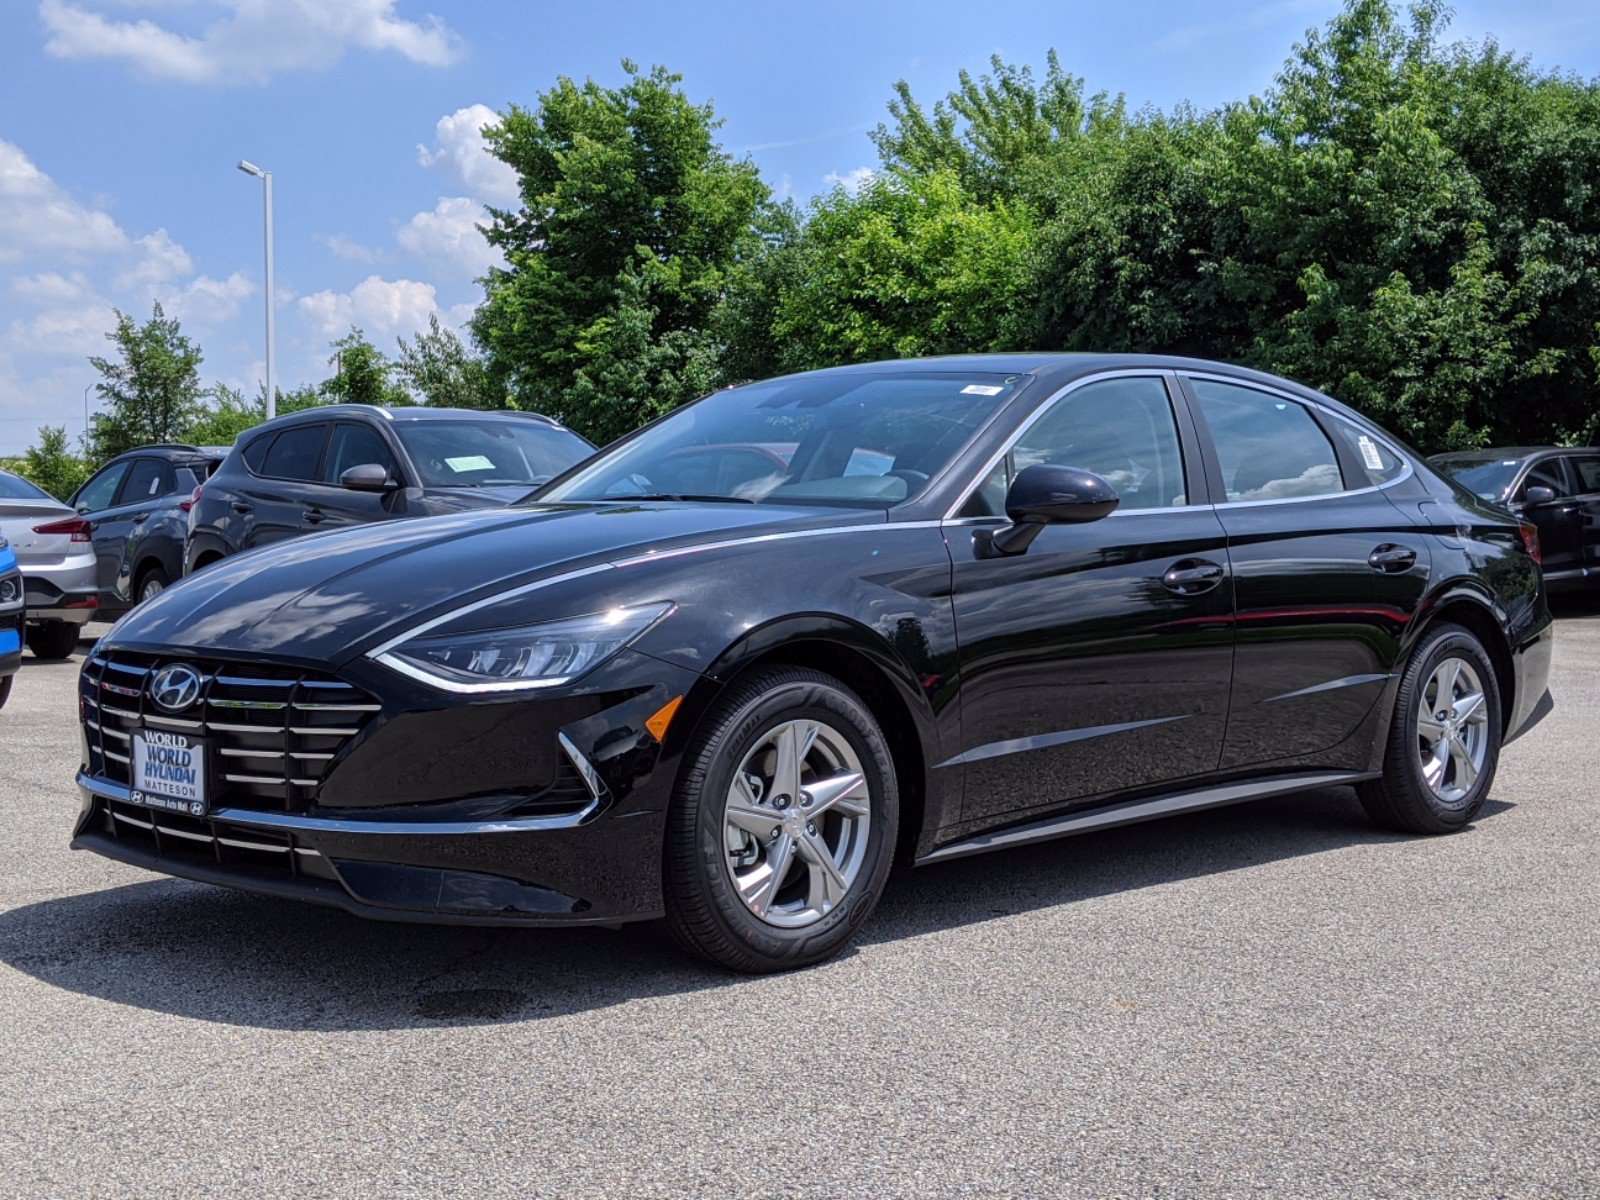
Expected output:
(382, 837)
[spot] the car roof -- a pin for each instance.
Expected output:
(175, 452)
(407, 415)
(1491, 453)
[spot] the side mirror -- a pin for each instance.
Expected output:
(1046, 494)
(1538, 494)
(367, 477)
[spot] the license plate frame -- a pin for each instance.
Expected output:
(167, 770)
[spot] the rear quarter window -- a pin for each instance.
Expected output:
(1379, 464)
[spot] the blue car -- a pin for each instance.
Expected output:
(10, 619)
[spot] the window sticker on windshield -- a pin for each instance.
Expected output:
(981, 389)
(1369, 453)
(469, 462)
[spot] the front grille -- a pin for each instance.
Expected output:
(175, 838)
(270, 732)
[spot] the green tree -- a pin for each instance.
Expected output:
(441, 370)
(150, 391)
(633, 219)
(363, 374)
(51, 464)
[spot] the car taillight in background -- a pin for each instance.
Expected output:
(194, 498)
(1530, 539)
(76, 526)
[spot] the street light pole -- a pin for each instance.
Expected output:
(250, 168)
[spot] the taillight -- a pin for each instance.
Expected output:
(76, 526)
(194, 498)
(1530, 539)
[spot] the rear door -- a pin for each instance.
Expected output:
(1327, 574)
(1100, 659)
(272, 499)
(114, 526)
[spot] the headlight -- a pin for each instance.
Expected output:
(530, 656)
(10, 591)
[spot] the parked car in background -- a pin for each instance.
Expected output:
(135, 513)
(978, 602)
(350, 464)
(1556, 488)
(11, 620)
(52, 549)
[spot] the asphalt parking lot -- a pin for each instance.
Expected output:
(1270, 1000)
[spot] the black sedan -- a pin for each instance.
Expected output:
(1556, 489)
(724, 670)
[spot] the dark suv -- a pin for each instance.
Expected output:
(135, 511)
(347, 464)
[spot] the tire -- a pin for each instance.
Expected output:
(53, 639)
(5, 689)
(1407, 797)
(151, 584)
(737, 756)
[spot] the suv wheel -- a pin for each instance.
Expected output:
(1444, 740)
(783, 824)
(52, 639)
(151, 585)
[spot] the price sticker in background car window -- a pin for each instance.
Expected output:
(981, 389)
(1369, 453)
(469, 462)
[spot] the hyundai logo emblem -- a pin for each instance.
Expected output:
(175, 688)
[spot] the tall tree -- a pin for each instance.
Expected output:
(632, 220)
(150, 391)
(442, 371)
(51, 464)
(363, 374)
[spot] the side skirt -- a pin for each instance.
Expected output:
(1130, 812)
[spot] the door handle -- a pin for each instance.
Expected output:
(239, 506)
(315, 516)
(1192, 576)
(1392, 559)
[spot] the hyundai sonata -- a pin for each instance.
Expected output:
(724, 671)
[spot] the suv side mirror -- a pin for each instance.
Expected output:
(1046, 494)
(367, 477)
(1538, 494)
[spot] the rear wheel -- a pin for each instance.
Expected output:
(783, 824)
(151, 584)
(52, 639)
(1444, 740)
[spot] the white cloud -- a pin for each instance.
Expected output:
(52, 287)
(37, 214)
(74, 330)
(206, 303)
(380, 307)
(342, 245)
(449, 238)
(850, 181)
(160, 259)
(250, 41)
(462, 155)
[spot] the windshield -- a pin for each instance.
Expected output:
(1486, 477)
(846, 439)
(490, 453)
(14, 487)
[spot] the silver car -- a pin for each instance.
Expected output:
(51, 542)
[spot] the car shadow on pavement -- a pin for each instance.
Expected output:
(211, 954)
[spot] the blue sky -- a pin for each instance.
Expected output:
(120, 122)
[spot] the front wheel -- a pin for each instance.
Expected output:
(152, 585)
(1444, 739)
(783, 823)
(52, 639)
(5, 689)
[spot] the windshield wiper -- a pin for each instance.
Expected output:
(696, 496)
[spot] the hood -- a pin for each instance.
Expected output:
(324, 599)
(464, 499)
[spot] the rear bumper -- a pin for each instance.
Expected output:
(48, 602)
(1530, 662)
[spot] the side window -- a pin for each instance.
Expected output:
(1586, 471)
(147, 479)
(355, 445)
(1269, 448)
(1121, 429)
(97, 493)
(255, 453)
(1546, 474)
(1378, 463)
(294, 453)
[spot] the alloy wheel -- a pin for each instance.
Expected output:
(1452, 729)
(796, 821)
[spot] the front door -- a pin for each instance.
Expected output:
(1327, 573)
(333, 506)
(1100, 659)
(1559, 521)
